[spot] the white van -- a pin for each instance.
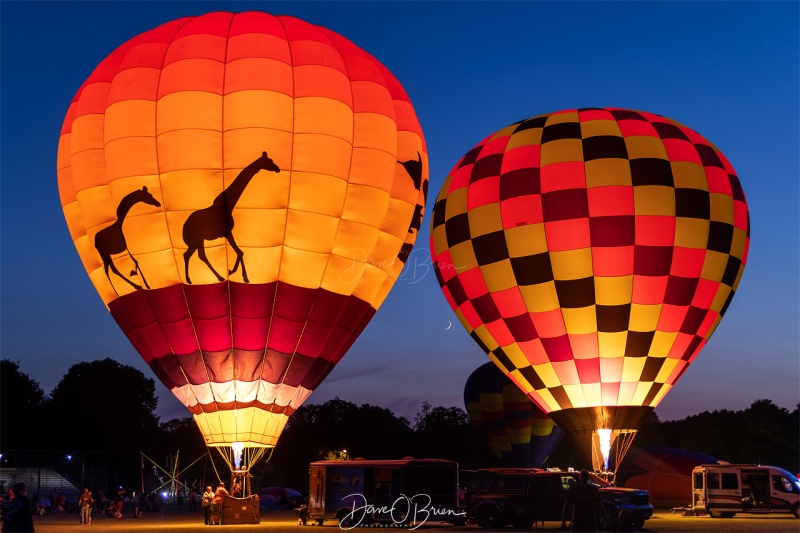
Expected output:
(724, 489)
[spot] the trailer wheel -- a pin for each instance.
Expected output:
(488, 516)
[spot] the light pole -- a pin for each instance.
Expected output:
(69, 459)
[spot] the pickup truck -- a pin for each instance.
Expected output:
(497, 497)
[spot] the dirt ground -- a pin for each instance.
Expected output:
(663, 521)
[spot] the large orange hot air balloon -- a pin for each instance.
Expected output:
(243, 190)
(591, 253)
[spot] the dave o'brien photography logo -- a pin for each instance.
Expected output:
(406, 511)
(416, 267)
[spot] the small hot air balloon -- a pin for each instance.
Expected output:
(516, 430)
(591, 253)
(243, 190)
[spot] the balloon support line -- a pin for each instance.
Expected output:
(251, 456)
(173, 476)
(216, 472)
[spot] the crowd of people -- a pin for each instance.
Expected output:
(16, 508)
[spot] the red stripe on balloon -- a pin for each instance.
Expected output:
(219, 332)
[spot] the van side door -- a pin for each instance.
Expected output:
(756, 489)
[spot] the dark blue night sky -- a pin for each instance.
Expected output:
(728, 70)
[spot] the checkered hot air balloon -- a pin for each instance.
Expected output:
(591, 253)
(517, 431)
(243, 190)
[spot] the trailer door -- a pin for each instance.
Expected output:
(316, 491)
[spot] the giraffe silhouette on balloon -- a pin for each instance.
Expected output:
(216, 221)
(413, 168)
(111, 240)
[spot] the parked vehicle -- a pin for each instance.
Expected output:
(521, 496)
(402, 491)
(724, 489)
(276, 498)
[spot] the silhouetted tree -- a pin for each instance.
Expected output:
(315, 430)
(105, 406)
(763, 433)
(649, 433)
(181, 434)
(446, 433)
(768, 435)
(21, 399)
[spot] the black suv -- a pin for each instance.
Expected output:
(519, 496)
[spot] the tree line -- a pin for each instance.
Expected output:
(106, 411)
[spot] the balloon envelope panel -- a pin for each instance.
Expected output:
(243, 191)
(665, 472)
(591, 253)
(516, 430)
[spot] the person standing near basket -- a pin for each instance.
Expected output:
(205, 503)
(216, 504)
